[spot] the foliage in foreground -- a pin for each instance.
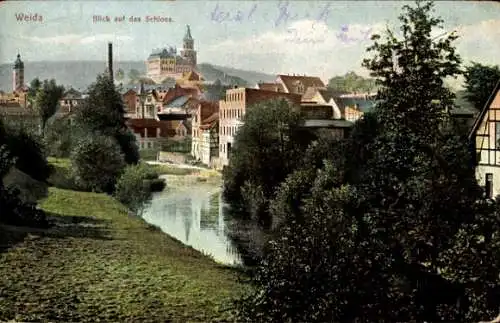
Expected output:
(13, 210)
(97, 162)
(480, 80)
(266, 149)
(135, 185)
(28, 150)
(102, 113)
(390, 226)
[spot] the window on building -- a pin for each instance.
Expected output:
(489, 185)
(497, 135)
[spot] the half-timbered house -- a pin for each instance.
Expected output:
(485, 137)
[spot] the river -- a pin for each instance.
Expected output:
(194, 214)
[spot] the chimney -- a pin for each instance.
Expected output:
(110, 61)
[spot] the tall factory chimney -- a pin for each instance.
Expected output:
(110, 61)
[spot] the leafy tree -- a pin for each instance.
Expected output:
(103, 112)
(97, 163)
(27, 149)
(13, 210)
(59, 138)
(351, 82)
(266, 149)
(480, 80)
(46, 100)
(405, 233)
(33, 88)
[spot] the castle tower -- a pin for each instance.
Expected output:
(18, 75)
(188, 51)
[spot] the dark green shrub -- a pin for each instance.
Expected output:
(58, 138)
(12, 209)
(97, 162)
(157, 184)
(29, 151)
(135, 186)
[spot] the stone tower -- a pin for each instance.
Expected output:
(188, 51)
(18, 75)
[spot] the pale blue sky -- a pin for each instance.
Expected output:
(255, 39)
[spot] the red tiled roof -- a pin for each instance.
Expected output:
(307, 81)
(256, 95)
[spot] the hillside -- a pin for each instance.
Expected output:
(250, 76)
(80, 74)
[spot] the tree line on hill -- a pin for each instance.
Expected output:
(387, 224)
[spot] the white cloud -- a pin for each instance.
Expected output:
(305, 47)
(75, 39)
(309, 47)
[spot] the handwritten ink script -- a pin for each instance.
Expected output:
(220, 15)
(348, 36)
(284, 14)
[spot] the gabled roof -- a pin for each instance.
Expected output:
(306, 81)
(486, 106)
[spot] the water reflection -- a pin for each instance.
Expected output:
(195, 216)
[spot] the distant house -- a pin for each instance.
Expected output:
(130, 100)
(234, 106)
(326, 97)
(355, 107)
(295, 84)
(205, 132)
(71, 100)
(485, 138)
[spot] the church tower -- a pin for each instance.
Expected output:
(188, 51)
(18, 75)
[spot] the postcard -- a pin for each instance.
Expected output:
(152, 152)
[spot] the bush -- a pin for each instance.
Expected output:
(157, 184)
(58, 138)
(135, 186)
(97, 163)
(29, 151)
(13, 210)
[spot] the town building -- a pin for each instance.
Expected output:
(167, 63)
(296, 84)
(485, 138)
(70, 101)
(18, 75)
(233, 108)
(205, 133)
(160, 113)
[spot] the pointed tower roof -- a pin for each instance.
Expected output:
(188, 34)
(18, 63)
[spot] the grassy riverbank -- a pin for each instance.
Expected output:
(100, 264)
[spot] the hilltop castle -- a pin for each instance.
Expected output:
(166, 63)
